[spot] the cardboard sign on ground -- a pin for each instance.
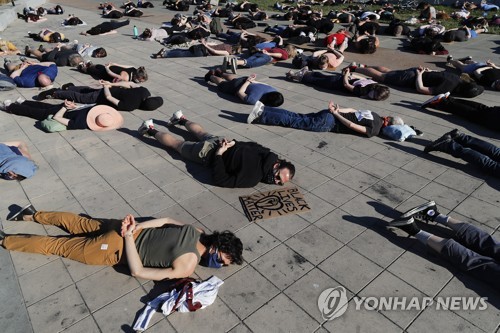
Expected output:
(275, 203)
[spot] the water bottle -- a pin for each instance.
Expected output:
(136, 32)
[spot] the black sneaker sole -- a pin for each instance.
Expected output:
(420, 208)
(14, 217)
(401, 222)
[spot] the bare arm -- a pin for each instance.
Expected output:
(214, 52)
(21, 145)
(334, 109)
(420, 84)
(59, 116)
(346, 77)
(318, 53)
(241, 92)
(183, 266)
(109, 97)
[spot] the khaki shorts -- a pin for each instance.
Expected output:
(202, 151)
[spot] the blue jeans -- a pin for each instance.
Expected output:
(476, 151)
(231, 37)
(322, 121)
(330, 82)
(475, 252)
(257, 59)
(277, 30)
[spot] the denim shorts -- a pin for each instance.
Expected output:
(201, 152)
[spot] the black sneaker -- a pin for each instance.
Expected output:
(408, 225)
(2, 235)
(424, 213)
(47, 94)
(449, 58)
(67, 85)
(453, 134)
(441, 144)
(465, 59)
(209, 75)
(26, 210)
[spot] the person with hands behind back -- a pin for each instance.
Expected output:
(156, 249)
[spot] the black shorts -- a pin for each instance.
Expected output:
(232, 87)
(404, 78)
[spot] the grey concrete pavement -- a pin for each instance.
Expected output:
(354, 186)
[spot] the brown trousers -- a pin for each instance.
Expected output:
(91, 242)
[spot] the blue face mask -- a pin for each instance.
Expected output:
(213, 260)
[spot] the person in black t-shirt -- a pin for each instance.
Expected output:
(125, 96)
(422, 79)
(334, 119)
(96, 118)
(61, 57)
(233, 163)
(105, 28)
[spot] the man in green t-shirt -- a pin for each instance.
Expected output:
(156, 249)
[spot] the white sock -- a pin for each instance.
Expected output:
(442, 219)
(423, 236)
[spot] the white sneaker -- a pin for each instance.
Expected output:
(174, 120)
(311, 37)
(5, 104)
(256, 112)
(147, 124)
(20, 100)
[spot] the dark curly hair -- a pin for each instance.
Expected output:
(225, 242)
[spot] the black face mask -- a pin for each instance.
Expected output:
(270, 178)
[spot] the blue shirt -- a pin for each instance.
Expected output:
(255, 91)
(28, 77)
(12, 160)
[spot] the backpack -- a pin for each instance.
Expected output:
(216, 26)
(6, 83)
(50, 125)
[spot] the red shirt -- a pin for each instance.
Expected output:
(284, 54)
(340, 38)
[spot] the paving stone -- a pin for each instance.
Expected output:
(442, 321)
(356, 179)
(44, 281)
(124, 311)
(284, 227)
(313, 244)
(202, 321)
(283, 272)
(444, 195)
(346, 263)
(281, 315)
(387, 284)
(226, 218)
(336, 193)
(305, 292)
(100, 289)
(58, 311)
(246, 291)
(338, 227)
(466, 286)
(256, 241)
(353, 321)
(417, 265)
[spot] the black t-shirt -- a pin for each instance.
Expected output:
(489, 76)
(131, 71)
(78, 118)
(244, 165)
(61, 58)
(373, 126)
(459, 35)
(130, 98)
(440, 82)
